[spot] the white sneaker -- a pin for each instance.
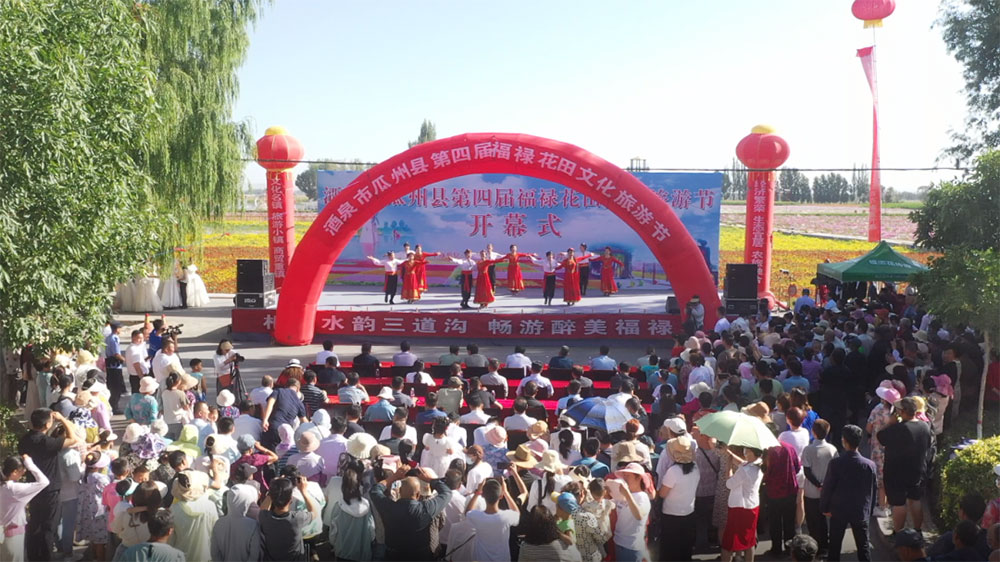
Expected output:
(882, 512)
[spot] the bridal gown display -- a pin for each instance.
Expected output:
(197, 293)
(170, 289)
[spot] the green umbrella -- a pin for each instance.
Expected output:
(736, 428)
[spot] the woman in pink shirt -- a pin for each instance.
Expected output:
(14, 497)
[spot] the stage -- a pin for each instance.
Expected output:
(360, 311)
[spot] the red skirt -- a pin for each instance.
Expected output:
(411, 289)
(608, 284)
(515, 282)
(484, 290)
(741, 529)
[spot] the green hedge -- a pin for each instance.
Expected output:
(970, 471)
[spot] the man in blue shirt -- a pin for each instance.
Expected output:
(283, 406)
(794, 376)
(381, 411)
(114, 363)
(589, 449)
(602, 362)
(430, 410)
(561, 361)
(804, 301)
(572, 396)
(353, 393)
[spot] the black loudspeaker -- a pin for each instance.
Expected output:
(256, 300)
(742, 307)
(252, 277)
(672, 306)
(741, 281)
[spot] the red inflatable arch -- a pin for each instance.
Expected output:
(486, 153)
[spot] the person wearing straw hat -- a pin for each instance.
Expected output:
(306, 460)
(678, 488)
(552, 480)
(878, 419)
(632, 504)
(143, 408)
(382, 410)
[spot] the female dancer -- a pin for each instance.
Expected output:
(515, 282)
(484, 289)
(421, 259)
(390, 263)
(548, 266)
(411, 281)
(571, 282)
(608, 263)
(468, 265)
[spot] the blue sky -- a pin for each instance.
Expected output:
(676, 83)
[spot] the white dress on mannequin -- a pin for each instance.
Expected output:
(197, 293)
(149, 300)
(170, 289)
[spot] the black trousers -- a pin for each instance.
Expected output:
(676, 536)
(816, 521)
(703, 506)
(493, 277)
(184, 293)
(466, 281)
(391, 283)
(116, 386)
(584, 277)
(549, 291)
(133, 383)
(40, 534)
(838, 527)
(781, 520)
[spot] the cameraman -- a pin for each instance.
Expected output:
(225, 359)
(154, 341)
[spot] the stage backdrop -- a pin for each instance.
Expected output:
(537, 215)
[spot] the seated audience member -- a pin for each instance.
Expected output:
(572, 396)
(450, 397)
(518, 360)
(476, 414)
(383, 410)
(476, 389)
(589, 450)
(451, 357)
(353, 392)
(603, 362)
(365, 358)
(325, 354)
(562, 360)
(399, 398)
(965, 535)
(518, 421)
(474, 358)
(419, 376)
(404, 358)
(400, 415)
(329, 374)
(536, 377)
(353, 416)
(970, 508)
(313, 396)
(397, 432)
(529, 391)
(577, 374)
(431, 410)
(493, 378)
(260, 394)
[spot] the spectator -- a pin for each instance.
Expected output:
(562, 360)
(14, 497)
(909, 545)
(519, 421)
(419, 376)
(353, 416)
(518, 360)
(399, 398)
(409, 517)
(740, 534)
(404, 358)
(633, 513)
(474, 358)
(476, 415)
(796, 435)
(450, 397)
(329, 374)
(327, 352)
(397, 432)
(572, 397)
(494, 378)
(781, 485)
(439, 449)
(965, 535)
(542, 538)
(707, 458)
(283, 406)
(588, 450)
(971, 507)
(528, 393)
(803, 548)
(476, 389)
(254, 454)
(245, 424)
(577, 374)
(136, 360)
(541, 381)
(401, 415)
(383, 410)
(451, 357)
(281, 528)
(236, 536)
(848, 495)
(603, 362)
(333, 446)
(431, 410)
(259, 395)
(908, 451)
(156, 549)
(492, 524)
(353, 393)
(143, 408)
(678, 489)
(816, 459)
(365, 358)
(352, 524)
(194, 515)
(699, 373)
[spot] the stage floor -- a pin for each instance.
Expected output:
(529, 301)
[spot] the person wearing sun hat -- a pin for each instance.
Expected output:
(942, 393)
(383, 410)
(194, 514)
(495, 448)
(678, 489)
(878, 419)
(551, 480)
(628, 490)
(143, 407)
(360, 445)
(306, 460)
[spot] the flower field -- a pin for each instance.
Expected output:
(247, 238)
(843, 220)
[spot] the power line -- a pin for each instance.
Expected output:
(683, 169)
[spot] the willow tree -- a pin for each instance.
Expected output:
(195, 154)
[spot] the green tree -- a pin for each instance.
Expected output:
(734, 182)
(793, 185)
(962, 220)
(75, 109)
(195, 153)
(831, 188)
(860, 185)
(427, 133)
(306, 181)
(971, 32)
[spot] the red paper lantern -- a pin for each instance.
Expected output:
(873, 11)
(762, 149)
(277, 150)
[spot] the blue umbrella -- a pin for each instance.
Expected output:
(589, 413)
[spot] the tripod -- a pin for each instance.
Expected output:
(236, 385)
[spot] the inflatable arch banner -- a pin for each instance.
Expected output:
(485, 153)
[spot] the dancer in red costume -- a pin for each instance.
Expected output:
(411, 288)
(484, 289)
(515, 282)
(608, 263)
(421, 259)
(571, 282)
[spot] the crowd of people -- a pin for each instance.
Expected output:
(313, 465)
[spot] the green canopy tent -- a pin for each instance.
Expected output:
(881, 264)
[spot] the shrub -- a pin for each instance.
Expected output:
(970, 471)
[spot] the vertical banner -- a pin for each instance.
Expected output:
(280, 222)
(760, 217)
(867, 56)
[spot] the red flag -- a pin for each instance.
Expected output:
(867, 56)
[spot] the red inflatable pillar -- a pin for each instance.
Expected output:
(761, 151)
(278, 152)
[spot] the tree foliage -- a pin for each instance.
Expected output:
(734, 182)
(860, 185)
(965, 213)
(831, 188)
(306, 181)
(428, 132)
(194, 154)
(793, 185)
(75, 109)
(971, 32)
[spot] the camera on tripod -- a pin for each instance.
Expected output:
(237, 358)
(174, 331)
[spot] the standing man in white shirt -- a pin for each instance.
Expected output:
(491, 255)
(404, 358)
(164, 359)
(136, 360)
(327, 352)
(518, 359)
(548, 265)
(584, 268)
(390, 263)
(722, 324)
(468, 265)
(260, 394)
(700, 373)
(539, 379)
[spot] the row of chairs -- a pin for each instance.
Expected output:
(444, 371)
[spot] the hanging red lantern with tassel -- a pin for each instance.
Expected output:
(873, 11)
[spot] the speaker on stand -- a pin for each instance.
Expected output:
(741, 288)
(254, 285)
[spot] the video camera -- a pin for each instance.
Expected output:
(237, 358)
(174, 331)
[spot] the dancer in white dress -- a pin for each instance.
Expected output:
(197, 293)
(170, 289)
